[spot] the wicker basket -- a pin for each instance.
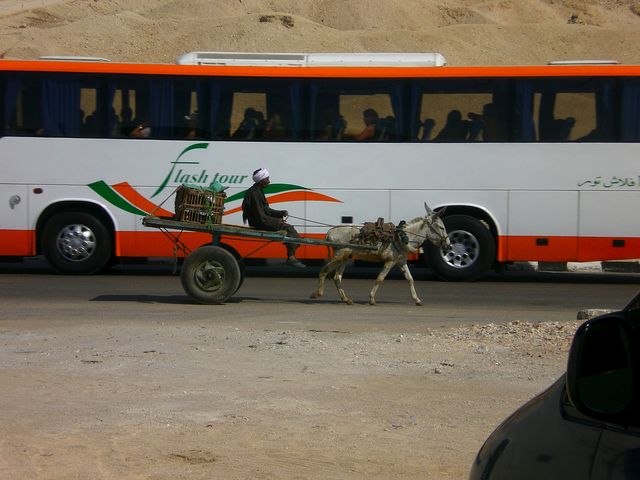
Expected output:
(197, 205)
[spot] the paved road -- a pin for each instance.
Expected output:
(274, 296)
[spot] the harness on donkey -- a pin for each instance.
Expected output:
(382, 233)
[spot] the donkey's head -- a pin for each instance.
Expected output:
(435, 232)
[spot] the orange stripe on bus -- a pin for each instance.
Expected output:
(567, 249)
(300, 196)
(322, 72)
(17, 242)
(128, 192)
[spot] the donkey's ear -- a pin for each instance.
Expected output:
(441, 212)
(426, 207)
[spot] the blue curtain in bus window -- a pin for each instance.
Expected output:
(60, 108)
(395, 126)
(161, 108)
(604, 115)
(526, 130)
(313, 111)
(215, 103)
(11, 89)
(296, 105)
(416, 121)
(631, 112)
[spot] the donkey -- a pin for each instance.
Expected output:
(430, 227)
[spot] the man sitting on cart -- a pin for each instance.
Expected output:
(256, 211)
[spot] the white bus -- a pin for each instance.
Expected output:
(537, 163)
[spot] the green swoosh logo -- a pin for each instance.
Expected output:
(106, 192)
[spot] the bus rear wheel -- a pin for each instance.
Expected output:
(472, 251)
(77, 243)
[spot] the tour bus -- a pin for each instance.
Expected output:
(529, 163)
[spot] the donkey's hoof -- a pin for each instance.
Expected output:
(372, 302)
(419, 303)
(348, 301)
(315, 295)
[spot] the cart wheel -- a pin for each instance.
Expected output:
(210, 275)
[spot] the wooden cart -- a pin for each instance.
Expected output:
(211, 274)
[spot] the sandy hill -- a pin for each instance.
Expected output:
(467, 32)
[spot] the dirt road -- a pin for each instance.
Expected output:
(182, 398)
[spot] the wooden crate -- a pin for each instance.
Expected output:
(197, 205)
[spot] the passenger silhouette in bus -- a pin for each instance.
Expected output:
(386, 128)
(456, 129)
(488, 123)
(370, 117)
(192, 131)
(249, 126)
(553, 129)
(332, 126)
(275, 129)
(427, 129)
(142, 130)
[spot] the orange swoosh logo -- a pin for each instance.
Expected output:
(300, 196)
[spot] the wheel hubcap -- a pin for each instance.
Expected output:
(464, 249)
(76, 243)
(209, 276)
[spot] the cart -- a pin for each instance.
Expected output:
(211, 274)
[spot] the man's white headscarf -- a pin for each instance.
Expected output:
(260, 175)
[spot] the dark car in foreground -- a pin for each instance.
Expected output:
(587, 424)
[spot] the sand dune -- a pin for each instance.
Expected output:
(467, 32)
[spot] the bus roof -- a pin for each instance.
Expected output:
(320, 65)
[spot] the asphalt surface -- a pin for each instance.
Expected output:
(31, 293)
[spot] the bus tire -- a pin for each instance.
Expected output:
(77, 243)
(210, 275)
(472, 253)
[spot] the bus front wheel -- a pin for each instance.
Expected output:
(472, 251)
(77, 243)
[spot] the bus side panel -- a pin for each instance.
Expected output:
(543, 225)
(16, 238)
(609, 211)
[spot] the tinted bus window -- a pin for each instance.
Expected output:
(565, 110)
(338, 109)
(56, 105)
(460, 111)
(261, 109)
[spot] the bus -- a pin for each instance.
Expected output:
(529, 163)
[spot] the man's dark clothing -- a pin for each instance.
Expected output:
(256, 211)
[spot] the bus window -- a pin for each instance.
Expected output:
(565, 110)
(91, 120)
(247, 115)
(459, 111)
(23, 106)
(257, 109)
(357, 110)
(191, 110)
(58, 105)
(142, 108)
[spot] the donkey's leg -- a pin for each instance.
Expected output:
(407, 274)
(332, 265)
(337, 278)
(388, 265)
